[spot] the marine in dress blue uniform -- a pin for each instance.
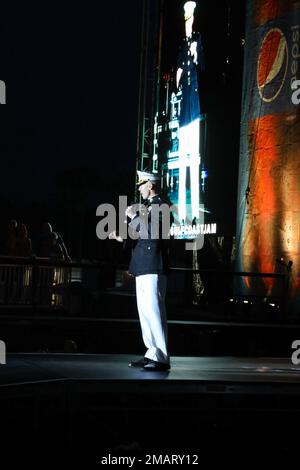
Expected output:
(149, 264)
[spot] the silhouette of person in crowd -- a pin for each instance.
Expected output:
(23, 242)
(50, 242)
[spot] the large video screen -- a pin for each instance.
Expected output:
(192, 144)
(181, 125)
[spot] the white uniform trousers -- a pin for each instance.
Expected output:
(150, 295)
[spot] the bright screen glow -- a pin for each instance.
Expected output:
(180, 128)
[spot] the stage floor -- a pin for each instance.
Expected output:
(31, 368)
(95, 401)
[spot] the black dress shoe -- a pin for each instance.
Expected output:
(154, 366)
(140, 363)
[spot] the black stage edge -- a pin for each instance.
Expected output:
(95, 401)
(49, 333)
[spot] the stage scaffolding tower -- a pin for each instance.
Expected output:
(149, 81)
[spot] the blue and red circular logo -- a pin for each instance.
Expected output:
(272, 65)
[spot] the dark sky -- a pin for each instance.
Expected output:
(72, 80)
(68, 131)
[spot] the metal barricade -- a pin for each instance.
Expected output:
(45, 283)
(37, 282)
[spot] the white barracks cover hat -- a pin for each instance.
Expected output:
(144, 176)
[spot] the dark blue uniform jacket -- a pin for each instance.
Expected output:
(151, 252)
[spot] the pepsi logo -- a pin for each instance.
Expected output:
(272, 65)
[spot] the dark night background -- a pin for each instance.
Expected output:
(68, 144)
(68, 132)
(69, 128)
